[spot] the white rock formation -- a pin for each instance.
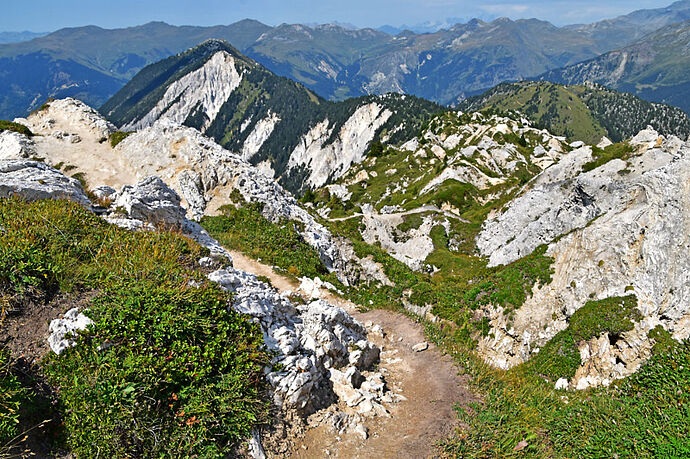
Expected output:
(206, 175)
(152, 201)
(73, 114)
(312, 342)
(62, 330)
(14, 146)
(559, 200)
(411, 248)
(326, 161)
(262, 131)
(637, 244)
(205, 89)
(32, 180)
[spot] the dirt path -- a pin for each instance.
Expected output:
(429, 381)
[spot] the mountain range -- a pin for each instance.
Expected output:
(654, 67)
(16, 37)
(446, 66)
(543, 267)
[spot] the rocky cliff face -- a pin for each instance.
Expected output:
(202, 91)
(617, 230)
(426, 178)
(325, 160)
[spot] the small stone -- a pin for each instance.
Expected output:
(520, 446)
(562, 384)
(207, 262)
(421, 347)
(362, 431)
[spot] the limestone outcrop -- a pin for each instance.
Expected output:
(33, 180)
(15, 146)
(619, 229)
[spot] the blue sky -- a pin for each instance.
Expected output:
(49, 15)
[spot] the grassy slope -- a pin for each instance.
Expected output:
(559, 108)
(582, 112)
(178, 373)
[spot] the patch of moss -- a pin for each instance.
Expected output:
(616, 151)
(118, 136)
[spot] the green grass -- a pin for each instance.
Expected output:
(167, 370)
(246, 230)
(118, 136)
(560, 357)
(601, 157)
(12, 394)
(15, 127)
(644, 415)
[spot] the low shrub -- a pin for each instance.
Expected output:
(163, 372)
(118, 136)
(15, 127)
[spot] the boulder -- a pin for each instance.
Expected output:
(62, 329)
(16, 146)
(32, 180)
(151, 200)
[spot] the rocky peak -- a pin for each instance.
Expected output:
(70, 116)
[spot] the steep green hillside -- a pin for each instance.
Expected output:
(653, 68)
(583, 112)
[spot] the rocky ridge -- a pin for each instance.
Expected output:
(321, 353)
(414, 178)
(203, 173)
(296, 137)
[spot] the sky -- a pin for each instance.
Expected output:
(50, 15)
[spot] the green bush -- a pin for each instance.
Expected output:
(163, 372)
(118, 136)
(25, 271)
(167, 370)
(611, 315)
(16, 127)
